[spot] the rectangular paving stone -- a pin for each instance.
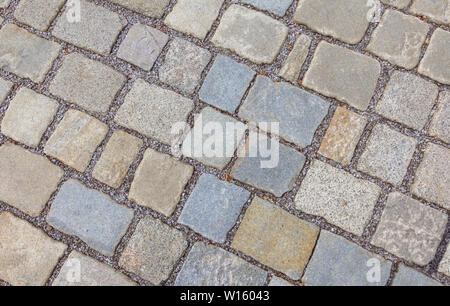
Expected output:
(276, 238)
(298, 112)
(444, 266)
(81, 270)
(250, 34)
(5, 88)
(436, 10)
(38, 13)
(27, 255)
(344, 20)
(399, 39)
(87, 83)
(353, 76)
(159, 182)
(407, 277)
(213, 207)
(401, 4)
(153, 111)
(91, 215)
(26, 54)
(28, 180)
(436, 61)
(117, 157)
(142, 46)
(153, 250)
(432, 179)
(337, 196)
(153, 8)
(343, 135)
(277, 7)
(28, 116)
(440, 125)
(339, 262)
(226, 83)
(208, 265)
(279, 282)
(293, 64)
(409, 229)
(75, 139)
(408, 99)
(387, 155)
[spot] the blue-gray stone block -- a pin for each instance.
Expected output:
(213, 207)
(90, 215)
(226, 84)
(278, 7)
(407, 277)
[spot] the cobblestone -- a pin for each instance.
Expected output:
(38, 13)
(291, 68)
(5, 87)
(278, 7)
(407, 277)
(440, 126)
(437, 10)
(154, 8)
(437, 58)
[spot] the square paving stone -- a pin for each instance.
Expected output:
(337, 196)
(339, 262)
(153, 8)
(28, 116)
(214, 138)
(432, 179)
(81, 270)
(27, 255)
(440, 125)
(444, 266)
(276, 238)
(387, 154)
(408, 99)
(409, 229)
(226, 83)
(207, 265)
(436, 10)
(38, 13)
(279, 282)
(274, 170)
(407, 277)
(343, 74)
(117, 157)
(194, 17)
(345, 20)
(91, 215)
(298, 112)
(28, 180)
(278, 7)
(142, 46)
(343, 135)
(26, 54)
(436, 61)
(213, 207)
(159, 182)
(399, 39)
(291, 68)
(153, 251)
(87, 83)
(153, 111)
(76, 138)
(250, 34)
(401, 4)
(5, 88)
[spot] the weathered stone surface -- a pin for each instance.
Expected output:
(184, 65)
(152, 111)
(343, 74)
(399, 39)
(436, 61)
(339, 262)
(27, 180)
(276, 238)
(440, 125)
(28, 116)
(410, 229)
(444, 266)
(407, 277)
(213, 207)
(153, 250)
(278, 7)
(207, 265)
(397, 3)
(387, 154)
(408, 99)
(432, 179)
(26, 54)
(142, 46)
(194, 17)
(76, 138)
(226, 83)
(345, 20)
(4, 3)
(298, 112)
(436, 10)
(97, 29)
(5, 87)
(342, 136)
(91, 273)
(27, 255)
(153, 8)
(116, 159)
(90, 215)
(159, 182)
(38, 13)
(250, 34)
(87, 83)
(279, 282)
(338, 197)
(291, 68)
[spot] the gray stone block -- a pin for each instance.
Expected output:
(407, 277)
(278, 7)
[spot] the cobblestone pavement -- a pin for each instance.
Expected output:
(88, 180)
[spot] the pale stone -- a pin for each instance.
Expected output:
(436, 61)
(291, 68)
(436, 10)
(397, 3)
(152, 8)
(279, 282)
(4, 3)
(277, 7)
(440, 126)
(5, 88)
(38, 13)
(444, 266)
(408, 277)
